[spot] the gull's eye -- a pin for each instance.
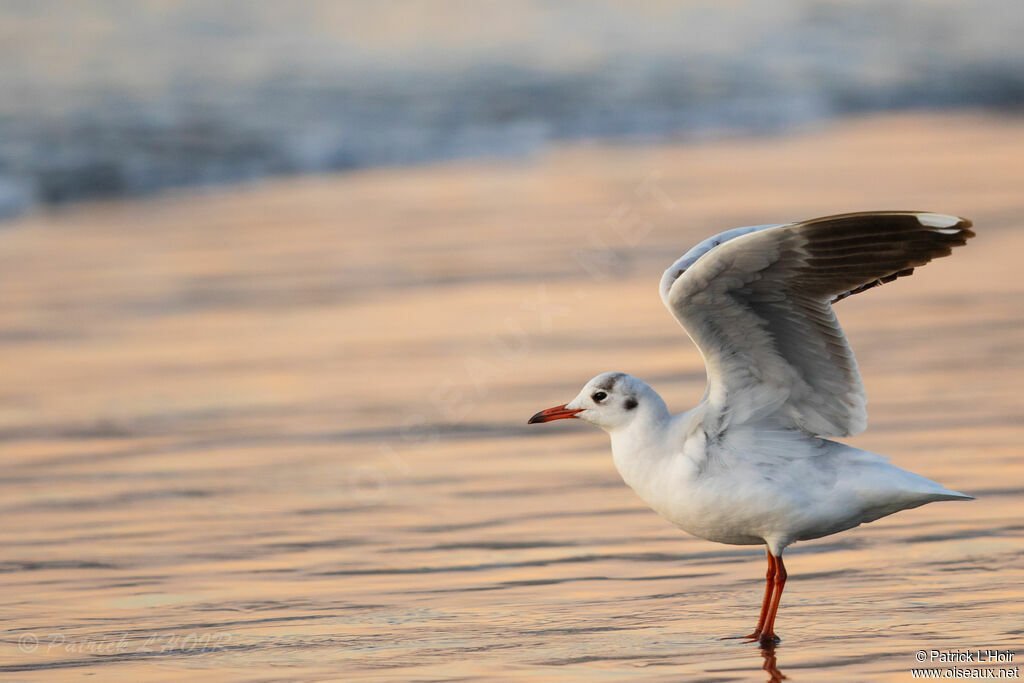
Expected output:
(599, 396)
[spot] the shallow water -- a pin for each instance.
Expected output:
(280, 433)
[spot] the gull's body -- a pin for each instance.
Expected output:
(756, 485)
(753, 464)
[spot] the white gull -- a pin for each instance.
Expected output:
(750, 464)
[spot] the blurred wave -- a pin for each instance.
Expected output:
(118, 98)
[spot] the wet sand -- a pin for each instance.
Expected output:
(278, 432)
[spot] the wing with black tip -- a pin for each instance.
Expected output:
(758, 303)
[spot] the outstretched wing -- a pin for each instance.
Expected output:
(758, 303)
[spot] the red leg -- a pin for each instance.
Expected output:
(769, 585)
(768, 638)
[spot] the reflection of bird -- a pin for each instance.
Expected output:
(749, 464)
(771, 665)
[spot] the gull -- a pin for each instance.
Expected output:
(752, 464)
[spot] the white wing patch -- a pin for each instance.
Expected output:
(938, 220)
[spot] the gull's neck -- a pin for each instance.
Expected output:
(649, 455)
(645, 440)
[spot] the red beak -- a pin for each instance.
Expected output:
(556, 413)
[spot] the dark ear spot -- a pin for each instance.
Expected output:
(630, 403)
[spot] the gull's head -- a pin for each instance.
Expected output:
(611, 401)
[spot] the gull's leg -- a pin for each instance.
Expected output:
(769, 584)
(767, 637)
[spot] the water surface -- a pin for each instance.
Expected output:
(280, 433)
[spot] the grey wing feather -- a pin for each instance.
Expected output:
(758, 303)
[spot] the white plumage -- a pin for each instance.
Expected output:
(751, 464)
